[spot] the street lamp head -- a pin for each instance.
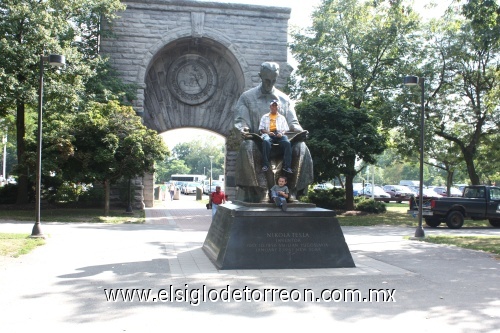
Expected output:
(56, 60)
(410, 80)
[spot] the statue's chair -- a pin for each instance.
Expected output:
(270, 177)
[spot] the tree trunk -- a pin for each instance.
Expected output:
(23, 182)
(349, 196)
(107, 189)
(471, 169)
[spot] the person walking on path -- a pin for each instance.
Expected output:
(171, 189)
(163, 191)
(216, 198)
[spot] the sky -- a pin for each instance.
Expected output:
(302, 9)
(300, 16)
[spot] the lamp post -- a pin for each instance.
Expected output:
(211, 158)
(413, 81)
(55, 60)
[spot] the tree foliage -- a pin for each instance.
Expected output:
(109, 142)
(30, 29)
(353, 49)
(460, 64)
(169, 166)
(193, 157)
(342, 137)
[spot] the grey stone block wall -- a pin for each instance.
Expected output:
(151, 35)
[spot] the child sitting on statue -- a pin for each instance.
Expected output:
(279, 193)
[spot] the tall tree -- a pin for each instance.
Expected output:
(30, 28)
(342, 137)
(444, 155)
(460, 63)
(109, 142)
(354, 50)
(169, 166)
(196, 154)
(488, 160)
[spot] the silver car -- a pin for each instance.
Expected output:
(378, 192)
(190, 188)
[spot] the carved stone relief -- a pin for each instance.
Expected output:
(192, 79)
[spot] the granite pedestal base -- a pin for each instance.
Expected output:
(261, 236)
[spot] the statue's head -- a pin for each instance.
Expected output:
(269, 72)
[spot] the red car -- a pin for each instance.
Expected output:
(398, 193)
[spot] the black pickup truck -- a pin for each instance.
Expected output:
(476, 203)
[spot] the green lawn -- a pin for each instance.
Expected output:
(484, 243)
(396, 215)
(14, 245)
(75, 215)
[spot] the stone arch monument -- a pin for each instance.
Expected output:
(191, 61)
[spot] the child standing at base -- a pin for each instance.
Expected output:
(279, 193)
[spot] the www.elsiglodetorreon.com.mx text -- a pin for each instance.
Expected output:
(196, 296)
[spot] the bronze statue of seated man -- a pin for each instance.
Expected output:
(252, 182)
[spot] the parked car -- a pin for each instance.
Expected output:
(378, 192)
(399, 193)
(476, 203)
(189, 188)
(206, 186)
(11, 180)
(415, 189)
(323, 186)
(430, 193)
(454, 192)
(460, 186)
(358, 189)
(179, 185)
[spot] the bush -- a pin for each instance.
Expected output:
(371, 206)
(327, 199)
(335, 199)
(92, 195)
(8, 194)
(64, 193)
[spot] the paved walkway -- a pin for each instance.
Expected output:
(62, 285)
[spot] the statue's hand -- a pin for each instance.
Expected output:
(245, 133)
(297, 137)
(247, 136)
